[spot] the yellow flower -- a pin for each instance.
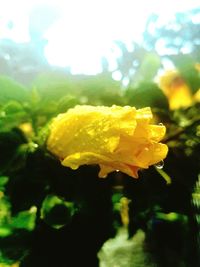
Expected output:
(197, 96)
(116, 138)
(176, 90)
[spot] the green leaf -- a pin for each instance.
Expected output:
(67, 102)
(35, 96)
(12, 114)
(12, 107)
(5, 216)
(5, 231)
(9, 143)
(149, 67)
(25, 219)
(42, 135)
(172, 217)
(186, 65)
(56, 212)
(147, 94)
(3, 182)
(53, 85)
(11, 90)
(164, 175)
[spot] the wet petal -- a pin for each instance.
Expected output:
(116, 138)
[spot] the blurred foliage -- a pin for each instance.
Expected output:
(180, 34)
(47, 211)
(57, 212)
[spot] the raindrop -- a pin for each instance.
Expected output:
(160, 124)
(159, 165)
(91, 132)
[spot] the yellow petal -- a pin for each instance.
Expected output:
(116, 138)
(197, 96)
(176, 90)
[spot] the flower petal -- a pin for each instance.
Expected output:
(116, 138)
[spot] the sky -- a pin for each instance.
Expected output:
(83, 31)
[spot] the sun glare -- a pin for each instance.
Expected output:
(85, 31)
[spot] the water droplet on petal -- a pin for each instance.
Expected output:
(160, 124)
(159, 165)
(91, 132)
